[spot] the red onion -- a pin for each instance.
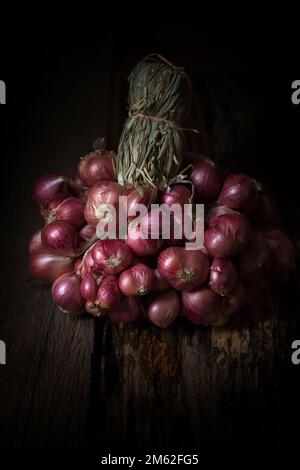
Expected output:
(69, 210)
(223, 276)
(137, 280)
(89, 286)
(227, 235)
(139, 245)
(183, 269)
(254, 258)
(266, 212)
(79, 181)
(55, 202)
(94, 309)
(164, 308)
(160, 284)
(49, 266)
(134, 198)
(202, 306)
(234, 300)
(96, 166)
(35, 244)
(127, 311)
(102, 194)
(108, 295)
(46, 188)
(207, 180)
(87, 232)
(78, 265)
(283, 256)
(215, 212)
(112, 256)
(66, 293)
(176, 194)
(60, 237)
(239, 192)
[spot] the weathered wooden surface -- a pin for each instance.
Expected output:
(76, 383)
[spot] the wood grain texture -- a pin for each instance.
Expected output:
(45, 388)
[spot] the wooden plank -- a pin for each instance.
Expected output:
(45, 388)
(197, 388)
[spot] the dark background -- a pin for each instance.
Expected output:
(66, 85)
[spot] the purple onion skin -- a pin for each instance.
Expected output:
(66, 293)
(239, 192)
(232, 303)
(89, 287)
(223, 276)
(47, 188)
(217, 211)
(202, 306)
(253, 260)
(163, 309)
(227, 236)
(207, 180)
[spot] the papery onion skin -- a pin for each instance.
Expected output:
(35, 243)
(48, 266)
(254, 258)
(207, 180)
(66, 293)
(108, 295)
(183, 269)
(141, 246)
(87, 232)
(283, 255)
(113, 256)
(176, 194)
(46, 188)
(127, 311)
(227, 235)
(217, 211)
(78, 265)
(239, 192)
(96, 166)
(163, 309)
(61, 237)
(70, 210)
(223, 276)
(202, 306)
(160, 284)
(94, 309)
(134, 197)
(89, 287)
(136, 280)
(266, 212)
(102, 193)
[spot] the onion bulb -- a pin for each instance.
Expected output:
(239, 192)
(112, 256)
(127, 311)
(202, 306)
(48, 266)
(137, 280)
(66, 293)
(60, 237)
(227, 235)
(102, 195)
(183, 269)
(108, 295)
(207, 180)
(223, 276)
(164, 308)
(96, 166)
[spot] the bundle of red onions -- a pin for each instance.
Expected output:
(245, 249)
